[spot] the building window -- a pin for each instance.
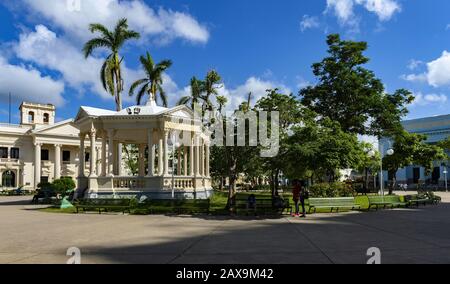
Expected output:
(31, 117)
(15, 153)
(46, 118)
(416, 175)
(436, 175)
(44, 155)
(86, 157)
(3, 153)
(44, 180)
(66, 157)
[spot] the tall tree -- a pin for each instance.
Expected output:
(196, 94)
(111, 72)
(411, 149)
(210, 88)
(152, 84)
(290, 113)
(352, 95)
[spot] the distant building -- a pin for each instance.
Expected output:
(37, 136)
(436, 129)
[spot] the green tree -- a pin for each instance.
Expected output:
(323, 148)
(111, 71)
(152, 84)
(290, 114)
(211, 84)
(352, 95)
(196, 94)
(411, 149)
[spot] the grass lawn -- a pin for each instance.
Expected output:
(219, 202)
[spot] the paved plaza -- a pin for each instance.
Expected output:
(403, 236)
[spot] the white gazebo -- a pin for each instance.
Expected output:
(173, 153)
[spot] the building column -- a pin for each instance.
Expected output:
(179, 162)
(197, 156)
(161, 154)
(104, 163)
(202, 158)
(99, 165)
(57, 162)
(207, 157)
(191, 157)
(151, 153)
(110, 152)
(185, 160)
(82, 156)
(119, 159)
(142, 160)
(93, 155)
(166, 153)
(37, 164)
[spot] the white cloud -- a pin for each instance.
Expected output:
(384, 9)
(439, 70)
(256, 86)
(26, 83)
(309, 22)
(414, 64)
(344, 10)
(164, 24)
(421, 78)
(429, 99)
(46, 49)
(437, 74)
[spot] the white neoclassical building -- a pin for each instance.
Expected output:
(38, 149)
(173, 159)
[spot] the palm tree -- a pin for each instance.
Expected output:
(111, 73)
(210, 87)
(152, 84)
(221, 101)
(196, 94)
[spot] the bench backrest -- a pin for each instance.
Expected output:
(386, 199)
(341, 201)
(105, 202)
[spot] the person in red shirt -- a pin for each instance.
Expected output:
(298, 197)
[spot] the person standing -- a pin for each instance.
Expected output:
(298, 196)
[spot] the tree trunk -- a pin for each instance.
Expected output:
(231, 193)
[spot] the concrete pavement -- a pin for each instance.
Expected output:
(403, 236)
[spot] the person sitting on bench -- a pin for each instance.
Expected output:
(251, 202)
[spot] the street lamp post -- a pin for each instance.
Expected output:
(445, 177)
(389, 152)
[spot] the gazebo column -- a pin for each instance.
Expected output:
(57, 161)
(142, 160)
(104, 163)
(185, 161)
(82, 155)
(207, 157)
(93, 155)
(37, 164)
(151, 153)
(191, 157)
(99, 165)
(110, 152)
(197, 156)
(166, 153)
(179, 162)
(202, 158)
(160, 155)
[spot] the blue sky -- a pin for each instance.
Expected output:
(253, 44)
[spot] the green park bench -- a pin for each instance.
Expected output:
(391, 201)
(333, 203)
(263, 206)
(419, 199)
(434, 199)
(106, 205)
(176, 206)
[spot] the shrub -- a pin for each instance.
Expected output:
(336, 189)
(63, 186)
